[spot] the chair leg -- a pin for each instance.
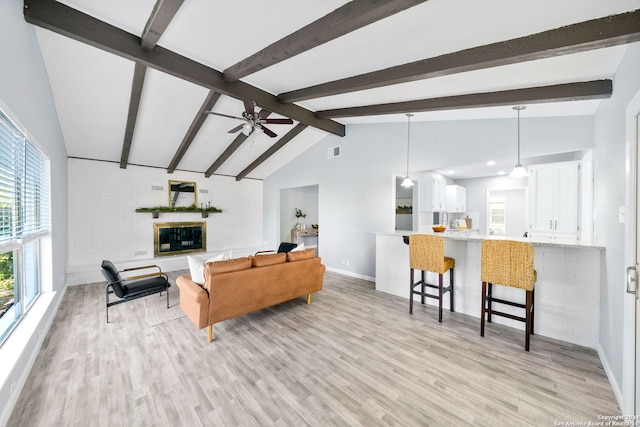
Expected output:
(411, 291)
(424, 280)
(107, 299)
(210, 333)
(167, 291)
(482, 312)
(528, 322)
(440, 298)
(451, 300)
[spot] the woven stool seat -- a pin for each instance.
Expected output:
(426, 253)
(508, 263)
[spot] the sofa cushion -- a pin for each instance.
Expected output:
(268, 259)
(300, 255)
(227, 266)
(196, 267)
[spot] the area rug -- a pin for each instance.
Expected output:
(155, 307)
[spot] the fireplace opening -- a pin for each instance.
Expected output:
(176, 238)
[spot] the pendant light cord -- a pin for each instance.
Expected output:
(518, 135)
(408, 139)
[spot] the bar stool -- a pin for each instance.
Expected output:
(426, 253)
(508, 263)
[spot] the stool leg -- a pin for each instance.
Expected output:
(489, 295)
(482, 311)
(411, 291)
(528, 321)
(424, 278)
(440, 298)
(533, 307)
(451, 304)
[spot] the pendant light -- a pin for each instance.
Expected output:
(518, 171)
(407, 181)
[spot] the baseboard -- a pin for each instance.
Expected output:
(351, 274)
(617, 391)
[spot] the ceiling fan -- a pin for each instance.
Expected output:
(253, 120)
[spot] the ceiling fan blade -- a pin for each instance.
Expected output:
(224, 115)
(249, 107)
(277, 121)
(235, 129)
(268, 132)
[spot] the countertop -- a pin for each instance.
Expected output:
(471, 235)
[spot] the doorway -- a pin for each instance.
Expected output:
(631, 336)
(507, 212)
(306, 200)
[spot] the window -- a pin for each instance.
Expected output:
(24, 222)
(496, 216)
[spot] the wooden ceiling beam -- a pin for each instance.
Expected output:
(594, 34)
(64, 20)
(297, 129)
(198, 121)
(237, 142)
(139, 73)
(162, 14)
(345, 19)
(597, 89)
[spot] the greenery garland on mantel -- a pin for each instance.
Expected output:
(204, 210)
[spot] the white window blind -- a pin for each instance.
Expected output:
(24, 185)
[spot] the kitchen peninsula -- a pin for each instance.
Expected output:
(567, 292)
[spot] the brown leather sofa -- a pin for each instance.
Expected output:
(243, 285)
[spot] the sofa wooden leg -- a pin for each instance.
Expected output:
(210, 333)
(309, 298)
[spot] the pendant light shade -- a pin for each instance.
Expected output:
(518, 171)
(407, 181)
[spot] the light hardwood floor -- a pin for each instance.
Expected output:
(353, 357)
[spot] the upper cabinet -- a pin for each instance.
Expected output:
(432, 194)
(554, 200)
(456, 198)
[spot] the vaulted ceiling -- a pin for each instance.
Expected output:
(133, 80)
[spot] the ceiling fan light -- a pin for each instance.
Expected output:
(246, 129)
(518, 172)
(407, 182)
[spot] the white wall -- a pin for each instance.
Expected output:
(356, 189)
(609, 194)
(26, 96)
(103, 223)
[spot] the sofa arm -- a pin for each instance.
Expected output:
(194, 301)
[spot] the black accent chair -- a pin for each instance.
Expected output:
(134, 287)
(284, 247)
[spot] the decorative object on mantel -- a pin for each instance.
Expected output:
(204, 210)
(300, 214)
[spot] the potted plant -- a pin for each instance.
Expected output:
(300, 214)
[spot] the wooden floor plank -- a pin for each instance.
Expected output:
(353, 357)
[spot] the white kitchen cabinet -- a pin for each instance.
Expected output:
(432, 194)
(554, 200)
(456, 198)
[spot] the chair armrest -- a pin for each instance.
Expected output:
(266, 252)
(143, 276)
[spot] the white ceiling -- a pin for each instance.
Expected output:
(92, 87)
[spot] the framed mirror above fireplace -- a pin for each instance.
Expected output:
(178, 238)
(182, 193)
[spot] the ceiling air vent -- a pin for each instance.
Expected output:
(333, 152)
